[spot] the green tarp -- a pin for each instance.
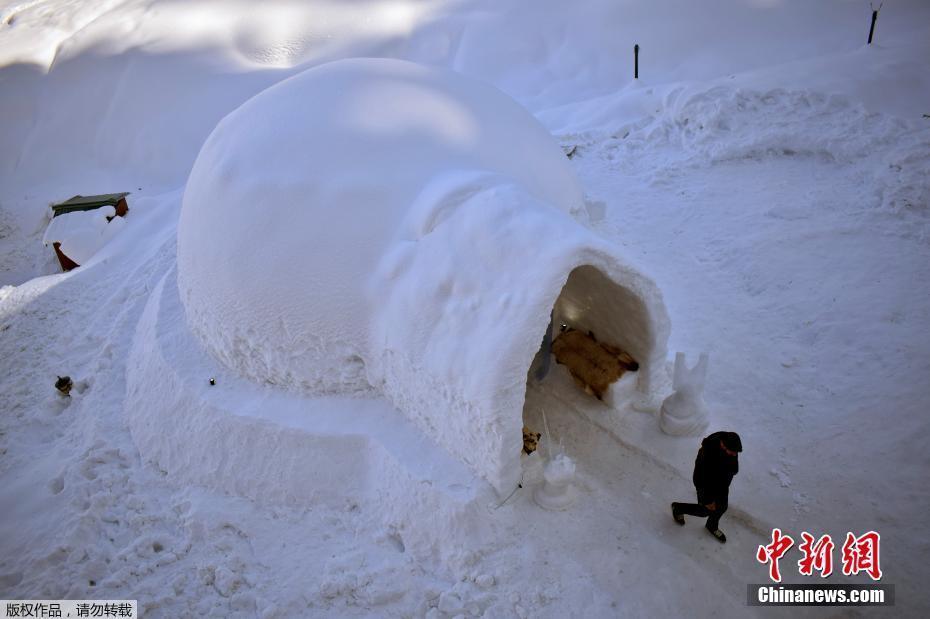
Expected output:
(88, 203)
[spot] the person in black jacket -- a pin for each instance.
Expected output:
(716, 463)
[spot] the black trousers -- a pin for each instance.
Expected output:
(698, 509)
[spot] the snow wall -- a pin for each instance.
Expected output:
(373, 225)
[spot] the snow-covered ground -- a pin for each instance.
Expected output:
(769, 171)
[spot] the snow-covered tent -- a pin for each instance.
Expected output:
(77, 234)
(378, 226)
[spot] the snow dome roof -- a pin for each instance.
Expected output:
(297, 194)
(376, 225)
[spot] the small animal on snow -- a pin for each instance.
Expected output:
(530, 440)
(64, 384)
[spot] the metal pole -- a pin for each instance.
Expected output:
(872, 27)
(636, 57)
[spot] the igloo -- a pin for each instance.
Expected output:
(376, 226)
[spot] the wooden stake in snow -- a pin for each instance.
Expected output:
(636, 59)
(874, 17)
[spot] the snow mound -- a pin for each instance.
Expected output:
(707, 126)
(302, 189)
(83, 233)
(378, 226)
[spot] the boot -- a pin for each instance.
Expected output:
(717, 533)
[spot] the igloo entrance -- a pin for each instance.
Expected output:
(602, 335)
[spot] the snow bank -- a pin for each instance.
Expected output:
(377, 226)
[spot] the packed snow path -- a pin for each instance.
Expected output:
(621, 524)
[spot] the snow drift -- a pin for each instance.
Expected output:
(378, 226)
(82, 233)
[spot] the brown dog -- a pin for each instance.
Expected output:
(530, 440)
(593, 365)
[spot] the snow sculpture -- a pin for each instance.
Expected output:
(557, 492)
(375, 226)
(685, 412)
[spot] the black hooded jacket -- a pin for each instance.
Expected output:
(714, 470)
